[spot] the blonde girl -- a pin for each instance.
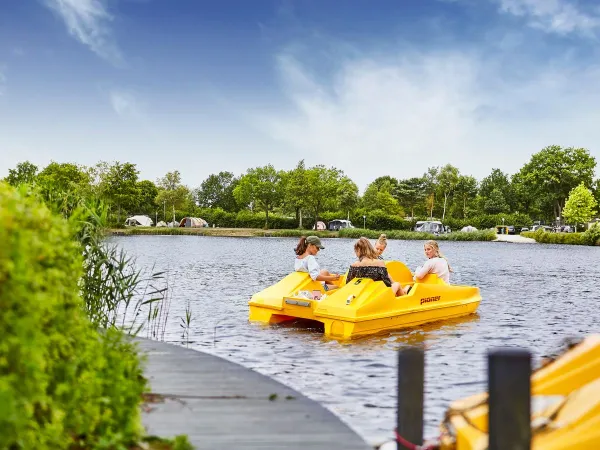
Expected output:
(380, 245)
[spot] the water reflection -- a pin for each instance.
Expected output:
(533, 296)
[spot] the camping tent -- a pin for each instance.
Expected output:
(139, 221)
(162, 223)
(319, 226)
(468, 228)
(193, 222)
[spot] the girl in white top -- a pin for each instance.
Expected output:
(305, 261)
(436, 263)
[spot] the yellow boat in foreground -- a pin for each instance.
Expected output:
(565, 411)
(363, 306)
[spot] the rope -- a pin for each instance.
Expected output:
(410, 446)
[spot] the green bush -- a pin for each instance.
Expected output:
(591, 236)
(355, 233)
(62, 384)
(544, 237)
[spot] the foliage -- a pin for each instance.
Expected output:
(171, 193)
(485, 235)
(544, 237)
(262, 186)
(555, 171)
(580, 206)
(111, 287)
(447, 180)
(24, 173)
(216, 191)
(119, 186)
(145, 203)
(591, 236)
(61, 383)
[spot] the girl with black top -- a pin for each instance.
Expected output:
(369, 266)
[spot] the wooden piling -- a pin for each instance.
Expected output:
(411, 380)
(509, 387)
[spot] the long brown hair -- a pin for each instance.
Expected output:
(438, 252)
(301, 247)
(363, 247)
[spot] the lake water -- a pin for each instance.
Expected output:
(534, 296)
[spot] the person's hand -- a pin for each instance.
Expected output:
(336, 276)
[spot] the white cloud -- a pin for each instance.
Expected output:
(399, 115)
(88, 22)
(125, 104)
(557, 16)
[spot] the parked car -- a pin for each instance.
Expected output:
(511, 229)
(338, 224)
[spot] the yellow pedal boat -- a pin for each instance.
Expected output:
(565, 410)
(364, 306)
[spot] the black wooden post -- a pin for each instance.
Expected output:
(411, 371)
(509, 387)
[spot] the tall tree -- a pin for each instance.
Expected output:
(411, 192)
(147, 195)
(25, 172)
(555, 171)
(447, 180)
(466, 189)
(172, 195)
(118, 185)
(297, 190)
(347, 194)
(324, 188)
(378, 195)
(495, 203)
(430, 178)
(580, 207)
(501, 181)
(261, 186)
(217, 191)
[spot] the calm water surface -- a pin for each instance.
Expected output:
(534, 295)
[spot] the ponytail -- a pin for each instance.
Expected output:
(301, 247)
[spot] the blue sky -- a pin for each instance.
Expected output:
(373, 87)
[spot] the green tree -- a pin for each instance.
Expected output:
(261, 186)
(65, 185)
(378, 196)
(324, 188)
(25, 172)
(447, 179)
(347, 194)
(172, 195)
(147, 194)
(466, 189)
(217, 192)
(555, 171)
(119, 186)
(580, 207)
(497, 180)
(495, 203)
(297, 190)
(431, 177)
(411, 193)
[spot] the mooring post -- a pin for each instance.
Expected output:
(509, 387)
(411, 380)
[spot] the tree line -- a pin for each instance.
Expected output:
(303, 195)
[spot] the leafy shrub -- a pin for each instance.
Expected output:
(591, 236)
(544, 237)
(62, 384)
(355, 233)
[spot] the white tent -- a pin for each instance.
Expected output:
(468, 228)
(320, 226)
(139, 221)
(193, 222)
(162, 223)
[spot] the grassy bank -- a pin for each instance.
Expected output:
(352, 233)
(589, 237)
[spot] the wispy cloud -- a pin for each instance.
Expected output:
(555, 16)
(399, 114)
(88, 21)
(126, 104)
